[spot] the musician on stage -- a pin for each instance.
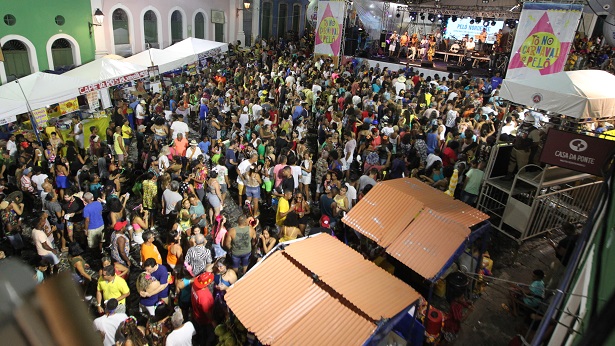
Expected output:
(403, 43)
(432, 48)
(424, 47)
(482, 39)
(470, 45)
(414, 43)
(498, 41)
(393, 43)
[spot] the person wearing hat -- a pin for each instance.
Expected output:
(193, 151)
(120, 245)
(140, 112)
(325, 227)
(525, 145)
(202, 307)
(108, 323)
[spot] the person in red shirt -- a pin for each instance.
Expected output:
(202, 308)
(449, 154)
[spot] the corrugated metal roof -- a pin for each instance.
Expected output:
(355, 278)
(383, 213)
(437, 200)
(281, 304)
(428, 243)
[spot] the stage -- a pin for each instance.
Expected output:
(443, 64)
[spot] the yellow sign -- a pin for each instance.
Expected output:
(329, 30)
(540, 50)
(69, 106)
(40, 116)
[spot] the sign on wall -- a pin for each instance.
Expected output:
(217, 16)
(112, 82)
(544, 36)
(329, 29)
(577, 152)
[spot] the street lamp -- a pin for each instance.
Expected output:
(246, 6)
(99, 17)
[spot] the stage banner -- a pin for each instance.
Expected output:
(544, 35)
(329, 29)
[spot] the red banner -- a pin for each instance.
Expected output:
(112, 82)
(577, 152)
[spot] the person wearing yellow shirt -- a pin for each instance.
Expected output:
(148, 249)
(283, 208)
(111, 286)
(126, 132)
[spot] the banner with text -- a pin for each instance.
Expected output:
(577, 152)
(112, 82)
(329, 29)
(544, 36)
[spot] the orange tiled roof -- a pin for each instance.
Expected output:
(282, 304)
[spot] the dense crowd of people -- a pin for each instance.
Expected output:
(159, 214)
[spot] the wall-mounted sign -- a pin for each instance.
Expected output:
(577, 152)
(217, 17)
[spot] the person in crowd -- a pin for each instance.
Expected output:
(111, 286)
(240, 241)
(159, 326)
(202, 306)
(108, 323)
(198, 257)
(182, 333)
(529, 296)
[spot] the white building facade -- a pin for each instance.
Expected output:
(132, 26)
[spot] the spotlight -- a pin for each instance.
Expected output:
(485, 1)
(431, 17)
(472, 21)
(493, 23)
(439, 15)
(398, 15)
(454, 18)
(478, 20)
(486, 23)
(422, 16)
(517, 21)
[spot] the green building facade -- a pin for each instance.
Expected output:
(39, 35)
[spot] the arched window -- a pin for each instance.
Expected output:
(266, 22)
(62, 53)
(16, 59)
(121, 34)
(150, 29)
(296, 18)
(199, 26)
(177, 27)
(282, 14)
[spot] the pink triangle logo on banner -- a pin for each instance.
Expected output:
(543, 25)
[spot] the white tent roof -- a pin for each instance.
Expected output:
(41, 89)
(104, 68)
(165, 60)
(578, 94)
(194, 47)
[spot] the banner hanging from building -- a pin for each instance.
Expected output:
(329, 29)
(544, 36)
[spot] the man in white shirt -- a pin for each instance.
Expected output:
(509, 126)
(242, 169)
(179, 126)
(108, 323)
(39, 178)
(140, 112)
(11, 146)
(349, 148)
(257, 112)
(400, 84)
(182, 332)
(470, 45)
(40, 237)
(193, 151)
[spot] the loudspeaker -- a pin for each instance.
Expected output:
(453, 68)
(394, 59)
(427, 63)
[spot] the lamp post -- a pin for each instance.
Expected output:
(241, 36)
(98, 17)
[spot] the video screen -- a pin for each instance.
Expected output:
(458, 29)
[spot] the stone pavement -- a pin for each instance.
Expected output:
(489, 324)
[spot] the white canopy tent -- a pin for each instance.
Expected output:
(165, 60)
(578, 94)
(41, 90)
(196, 48)
(105, 68)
